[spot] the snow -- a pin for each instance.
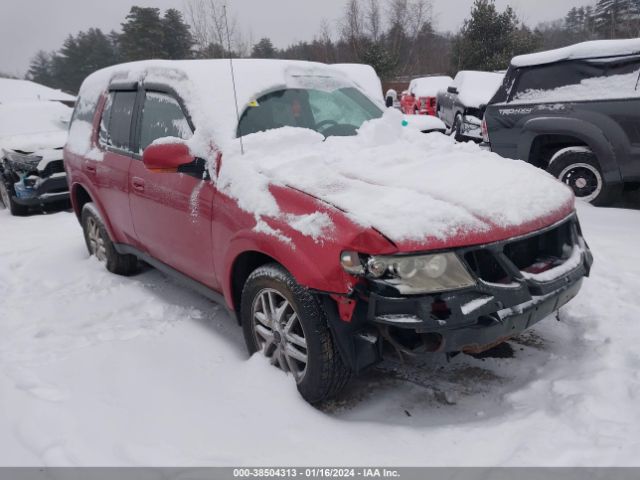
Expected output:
(474, 305)
(477, 88)
(592, 49)
(406, 184)
(102, 370)
(571, 263)
(430, 86)
(31, 126)
(365, 77)
(19, 91)
(600, 88)
(424, 123)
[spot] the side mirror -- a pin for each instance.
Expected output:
(453, 90)
(166, 157)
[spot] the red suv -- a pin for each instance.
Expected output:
(332, 233)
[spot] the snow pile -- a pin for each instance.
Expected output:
(365, 77)
(601, 88)
(31, 126)
(430, 86)
(18, 91)
(408, 185)
(424, 123)
(477, 88)
(592, 49)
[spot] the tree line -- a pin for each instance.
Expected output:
(397, 37)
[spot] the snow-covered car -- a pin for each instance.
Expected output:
(574, 112)
(423, 94)
(461, 105)
(365, 77)
(327, 228)
(32, 135)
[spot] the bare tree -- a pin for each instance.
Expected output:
(208, 27)
(374, 22)
(353, 25)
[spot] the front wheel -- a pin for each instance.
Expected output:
(456, 130)
(580, 171)
(284, 322)
(6, 199)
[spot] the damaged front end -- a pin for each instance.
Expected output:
(34, 179)
(464, 300)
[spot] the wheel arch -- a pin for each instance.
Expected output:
(585, 132)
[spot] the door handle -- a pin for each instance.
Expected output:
(138, 184)
(90, 168)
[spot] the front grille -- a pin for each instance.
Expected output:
(534, 254)
(56, 166)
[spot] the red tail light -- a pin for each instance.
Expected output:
(485, 132)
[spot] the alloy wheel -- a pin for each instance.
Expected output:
(279, 334)
(585, 180)
(96, 242)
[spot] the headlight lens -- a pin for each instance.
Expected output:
(414, 274)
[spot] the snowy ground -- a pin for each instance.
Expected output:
(103, 370)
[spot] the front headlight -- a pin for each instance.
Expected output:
(413, 274)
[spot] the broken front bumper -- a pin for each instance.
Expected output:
(477, 318)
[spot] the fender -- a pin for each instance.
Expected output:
(95, 199)
(303, 267)
(586, 131)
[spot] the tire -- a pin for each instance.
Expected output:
(580, 171)
(100, 245)
(456, 130)
(301, 326)
(6, 199)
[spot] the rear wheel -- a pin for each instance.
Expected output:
(100, 245)
(580, 171)
(284, 322)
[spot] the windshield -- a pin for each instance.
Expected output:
(338, 112)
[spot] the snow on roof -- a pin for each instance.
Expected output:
(14, 90)
(364, 76)
(430, 86)
(592, 49)
(477, 88)
(206, 86)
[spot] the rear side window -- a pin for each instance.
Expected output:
(115, 124)
(580, 80)
(162, 117)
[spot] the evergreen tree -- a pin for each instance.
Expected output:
(178, 42)
(41, 69)
(79, 56)
(263, 49)
(612, 17)
(142, 35)
(374, 54)
(489, 39)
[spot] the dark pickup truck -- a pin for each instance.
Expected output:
(575, 112)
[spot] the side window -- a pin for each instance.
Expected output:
(115, 124)
(162, 116)
(103, 134)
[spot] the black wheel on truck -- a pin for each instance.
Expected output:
(456, 130)
(6, 199)
(579, 169)
(100, 245)
(284, 321)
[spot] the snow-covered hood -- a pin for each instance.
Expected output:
(420, 191)
(34, 142)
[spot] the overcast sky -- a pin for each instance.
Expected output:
(27, 26)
